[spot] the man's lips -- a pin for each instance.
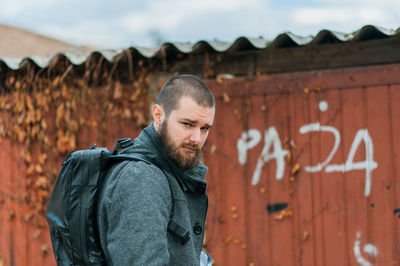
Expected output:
(189, 149)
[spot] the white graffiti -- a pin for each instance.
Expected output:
(323, 106)
(317, 127)
(252, 137)
(368, 165)
(248, 141)
(368, 248)
(271, 138)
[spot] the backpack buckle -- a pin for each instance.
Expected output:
(179, 231)
(122, 144)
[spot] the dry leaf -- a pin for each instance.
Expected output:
(66, 143)
(135, 95)
(43, 124)
(43, 194)
(73, 126)
(38, 115)
(292, 144)
(60, 114)
(37, 233)
(56, 81)
(21, 134)
(65, 92)
(39, 169)
(45, 249)
(289, 157)
(127, 113)
(27, 157)
(42, 183)
(237, 113)
(295, 169)
(41, 100)
(213, 148)
(31, 170)
(28, 217)
(305, 235)
(227, 240)
(42, 158)
(11, 80)
(226, 97)
(29, 103)
(117, 91)
(283, 214)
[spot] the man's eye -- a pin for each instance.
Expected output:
(186, 124)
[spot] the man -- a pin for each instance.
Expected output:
(154, 213)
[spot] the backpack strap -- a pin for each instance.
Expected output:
(179, 231)
(122, 144)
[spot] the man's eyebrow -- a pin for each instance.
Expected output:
(190, 120)
(195, 122)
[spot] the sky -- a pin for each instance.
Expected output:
(148, 23)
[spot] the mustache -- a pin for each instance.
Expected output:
(191, 146)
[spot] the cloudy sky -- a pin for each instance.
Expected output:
(145, 23)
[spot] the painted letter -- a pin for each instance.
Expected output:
(368, 248)
(368, 165)
(247, 141)
(317, 127)
(271, 138)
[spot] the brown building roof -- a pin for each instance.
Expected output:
(19, 43)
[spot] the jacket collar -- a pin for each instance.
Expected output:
(149, 145)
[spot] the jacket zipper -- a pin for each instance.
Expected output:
(83, 216)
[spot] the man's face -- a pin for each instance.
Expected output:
(184, 132)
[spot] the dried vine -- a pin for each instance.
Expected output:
(44, 116)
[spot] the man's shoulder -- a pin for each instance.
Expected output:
(137, 169)
(136, 173)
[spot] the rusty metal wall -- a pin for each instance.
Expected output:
(302, 171)
(30, 157)
(24, 237)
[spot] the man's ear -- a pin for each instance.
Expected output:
(158, 116)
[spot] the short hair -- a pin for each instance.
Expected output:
(184, 85)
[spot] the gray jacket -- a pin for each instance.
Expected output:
(135, 208)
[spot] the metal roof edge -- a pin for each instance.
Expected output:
(286, 39)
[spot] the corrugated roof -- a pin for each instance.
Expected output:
(284, 40)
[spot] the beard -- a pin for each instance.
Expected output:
(176, 153)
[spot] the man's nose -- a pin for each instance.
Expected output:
(195, 137)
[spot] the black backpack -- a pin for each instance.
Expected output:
(72, 208)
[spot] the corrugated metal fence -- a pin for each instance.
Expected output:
(302, 171)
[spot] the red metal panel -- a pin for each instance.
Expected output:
(380, 202)
(394, 184)
(342, 204)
